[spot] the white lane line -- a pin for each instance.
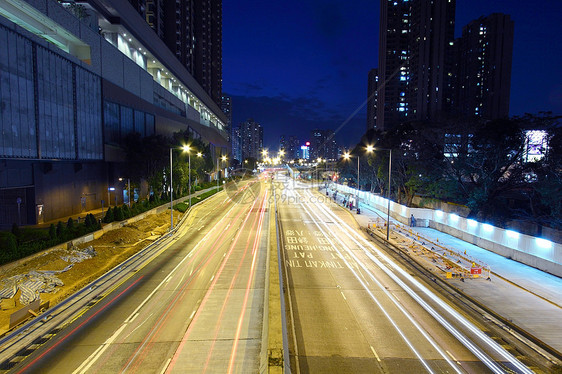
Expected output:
(375, 353)
(192, 314)
(453, 357)
(165, 366)
(134, 317)
(343, 295)
(86, 365)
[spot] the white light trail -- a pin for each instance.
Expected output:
(362, 243)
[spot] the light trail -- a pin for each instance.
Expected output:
(78, 327)
(184, 339)
(148, 341)
(316, 221)
(246, 295)
(91, 360)
(255, 225)
(351, 234)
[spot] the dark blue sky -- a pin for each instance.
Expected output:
(302, 64)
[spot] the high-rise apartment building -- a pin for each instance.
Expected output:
(323, 145)
(372, 96)
(291, 146)
(483, 67)
(226, 107)
(192, 29)
(235, 141)
(415, 50)
(251, 139)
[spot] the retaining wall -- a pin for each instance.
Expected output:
(534, 251)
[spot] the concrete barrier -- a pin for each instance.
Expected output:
(537, 252)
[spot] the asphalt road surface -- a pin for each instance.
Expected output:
(197, 307)
(351, 309)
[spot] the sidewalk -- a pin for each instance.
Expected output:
(523, 295)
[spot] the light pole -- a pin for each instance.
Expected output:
(186, 148)
(171, 195)
(200, 155)
(347, 156)
(218, 174)
(370, 149)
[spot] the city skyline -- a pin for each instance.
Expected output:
(310, 68)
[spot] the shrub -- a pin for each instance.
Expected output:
(181, 207)
(8, 243)
(109, 216)
(118, 214)
(16, 231)
(126, 211)
(60, 230)
(52, 232)
(70, 224)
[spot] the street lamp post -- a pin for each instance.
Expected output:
(186, 148)
(171, 195)
(218, 173)
(358, 184)
(370, 148)
(388, 207)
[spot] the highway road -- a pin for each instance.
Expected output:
(195, 307)
(351, 309)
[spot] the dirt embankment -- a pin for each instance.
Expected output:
(111, 249)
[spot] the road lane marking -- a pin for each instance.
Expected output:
(375, 353)
(165, 366)
(453, 357)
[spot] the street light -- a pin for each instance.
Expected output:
(223, 158)
(187, 148)
(370, 149)
(347, 156)
(200, 155)
(171, 195)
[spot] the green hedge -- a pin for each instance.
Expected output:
(28, 241)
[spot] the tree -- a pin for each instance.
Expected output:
(60, 230)
(489, 168)
(52, 232)
(118, 213)
(16, 231)
(109, 216)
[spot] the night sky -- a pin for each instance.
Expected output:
(301, 64)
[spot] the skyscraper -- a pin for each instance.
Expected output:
(235, 141)
(372, 97)
(483, 67)
(226, 107)
(251, 139)
(192, 30)
(415, 50)
(323, 145)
